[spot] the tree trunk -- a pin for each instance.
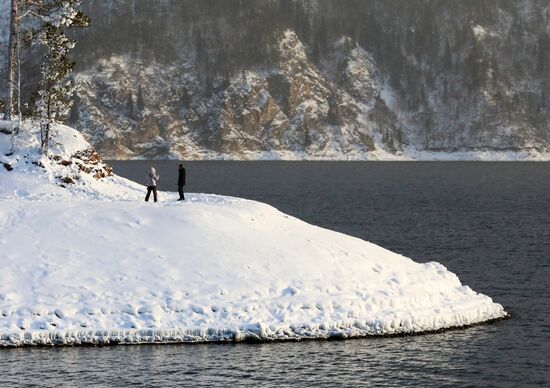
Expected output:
(45, 137)
(45, 129)
(13, 65)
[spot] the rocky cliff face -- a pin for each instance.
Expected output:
(290, 110)
(314, 79)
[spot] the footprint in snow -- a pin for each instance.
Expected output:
(289, 291)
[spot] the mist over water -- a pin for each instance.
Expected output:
(487, 222)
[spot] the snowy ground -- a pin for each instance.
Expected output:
(92, 263)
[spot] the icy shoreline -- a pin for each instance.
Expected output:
(88, 262)
(378, 155)
(179, 336)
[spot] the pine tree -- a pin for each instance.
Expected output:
(140, 101)
(130, 107)
(74, 114)
(447, 58)
(55, 17)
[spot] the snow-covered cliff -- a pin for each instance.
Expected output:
(290, 110)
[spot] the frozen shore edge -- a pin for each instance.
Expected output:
(252, 334)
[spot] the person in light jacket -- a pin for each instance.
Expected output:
(151, 180)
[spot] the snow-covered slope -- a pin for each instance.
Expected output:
(92, 263)
(73, 168)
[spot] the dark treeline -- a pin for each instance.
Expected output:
(224, 37)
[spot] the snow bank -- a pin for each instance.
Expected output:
(91, 263)
(71, 170)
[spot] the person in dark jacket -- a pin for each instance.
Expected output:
(181, 182)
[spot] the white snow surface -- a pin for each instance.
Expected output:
(94, 264)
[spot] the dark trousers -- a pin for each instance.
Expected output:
(154, 190)
(180, 191)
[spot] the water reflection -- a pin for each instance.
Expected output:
(438, 359)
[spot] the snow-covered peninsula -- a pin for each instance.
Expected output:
(85, 261)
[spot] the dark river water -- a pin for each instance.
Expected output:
(487, 222)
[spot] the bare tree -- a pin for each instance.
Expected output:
(12, 108)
